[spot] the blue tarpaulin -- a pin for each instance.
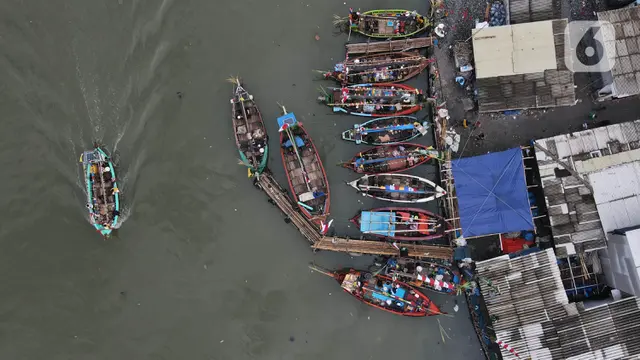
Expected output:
(492, 193)
(377, 222)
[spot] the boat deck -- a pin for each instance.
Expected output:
(280, 198)
(375, 47)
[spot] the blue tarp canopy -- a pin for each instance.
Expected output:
(288, 118)
(382, 223)
(492, 193)
(299, 142)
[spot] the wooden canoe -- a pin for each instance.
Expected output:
(391, 158)
(303, 166)
(380, 68)
(387, 24)
(373, 47)
(383, 292)
(103, 195)
(400, 188)
(374, 100)
(386, 130)
(249, 130)
(398, 223)
(425, 275)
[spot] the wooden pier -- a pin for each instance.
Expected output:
(376, 47)
(382, 248)
(278, 196)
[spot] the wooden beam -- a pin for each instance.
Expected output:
(381, 248)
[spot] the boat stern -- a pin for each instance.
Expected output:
(353, 184)
(348, 135)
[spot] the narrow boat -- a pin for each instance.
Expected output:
(379, 68)
(397, 223)
(250, 132)
(305, 173)
(386, 130)
(383, 292)
(374, 100)
(425, 275)
(391, 158)
(387, 24)
(400, 188)
(103, 198)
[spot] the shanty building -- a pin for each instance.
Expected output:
(522, 66)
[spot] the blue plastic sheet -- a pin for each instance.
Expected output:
(377, 222)
(492, 193)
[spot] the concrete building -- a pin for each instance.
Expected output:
(522, 66)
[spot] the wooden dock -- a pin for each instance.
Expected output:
(375, 47)
(280, 198)
(381, 248)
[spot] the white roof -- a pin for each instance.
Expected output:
(516, 49)
(616, 191)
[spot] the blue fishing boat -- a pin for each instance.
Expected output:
(103, 195)
(386, 130)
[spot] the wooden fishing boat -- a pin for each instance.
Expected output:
(383, 292)
(386, 130)
(425, 275)
(103, 195)
(400, 188)
(398, 223)
(380, 68)
(303, 166)
(374, 100)
(249, 130)
(391, 158)
(387, 24)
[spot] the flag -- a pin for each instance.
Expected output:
(283, 127)
(395, 245)
(324, 228)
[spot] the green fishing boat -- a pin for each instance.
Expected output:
(251, 135)
(385, 24)
(103, 195)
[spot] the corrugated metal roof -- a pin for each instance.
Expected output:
(617, 195)
(537, 88)
(532, 314)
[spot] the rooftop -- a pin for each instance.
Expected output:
(522, 11)
(573, 211)
(531, 313)
(504, 82)
(624, 50)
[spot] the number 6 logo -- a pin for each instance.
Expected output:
(589, 46)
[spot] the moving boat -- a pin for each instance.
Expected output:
(401, 188)
(103, 195)
(374, 100)
(249, 130)
(391, 158)
(386, 130)
(387, 24)
(303, 166)
(425, 275)
(379, 68)
(398, 223)
(383, 292)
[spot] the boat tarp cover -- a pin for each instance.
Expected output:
(299, 142)
(389, 128)
(288, 118)
(378, 222)
(492, 193)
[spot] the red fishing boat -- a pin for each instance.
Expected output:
(374, 100)
(383, 292)
(303, 166)
(391, 158)
(398, 223)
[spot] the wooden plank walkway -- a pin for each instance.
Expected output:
(382, 248)
(280, 198)
(375, 47)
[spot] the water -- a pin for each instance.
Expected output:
(202, 266)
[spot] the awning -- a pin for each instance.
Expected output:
(377, 223)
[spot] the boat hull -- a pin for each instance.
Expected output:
(103, 197)
(399, 188)
(374, 100)
(415, 297)
(387, 24)
(402, 231)
(391, 158)
(388, 68)
(314, 209)
(425, 275)
(386, 131)
(249, 130)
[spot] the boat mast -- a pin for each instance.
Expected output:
(295, 149)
